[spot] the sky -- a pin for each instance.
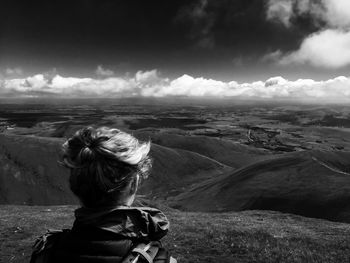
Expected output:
(239, 48)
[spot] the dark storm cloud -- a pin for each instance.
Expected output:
(139, 24)
(200, 20)
(238, 24)
(196, 37)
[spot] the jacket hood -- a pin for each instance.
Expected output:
(131, 222)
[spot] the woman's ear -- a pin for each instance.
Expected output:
(134, 185)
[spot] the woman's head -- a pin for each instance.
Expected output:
(105, 165)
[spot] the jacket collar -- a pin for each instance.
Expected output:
(130, 222)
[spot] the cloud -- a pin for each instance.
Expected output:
(151, 84)
(189, 86)
(103, 72)
(329, 46)
(13, 71)
(336, 13)
(281, 11)
(273, 56)
(200, 22)
(285, 11)
(332, 13)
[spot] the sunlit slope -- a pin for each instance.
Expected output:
(224, 151)
(30, 173)
(312, 184)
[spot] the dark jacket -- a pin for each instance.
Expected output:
(107, 235)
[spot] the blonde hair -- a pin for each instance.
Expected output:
(103, 162)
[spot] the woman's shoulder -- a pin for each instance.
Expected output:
(45, 243)
(62, 246)
(71, 246)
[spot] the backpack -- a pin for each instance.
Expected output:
(141, 252)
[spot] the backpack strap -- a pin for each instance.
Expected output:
(145, 251)
(163, 256)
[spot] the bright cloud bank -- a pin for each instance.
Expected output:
(150, 84)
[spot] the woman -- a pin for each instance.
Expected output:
(106, 167)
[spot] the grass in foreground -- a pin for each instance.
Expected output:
(252, 236)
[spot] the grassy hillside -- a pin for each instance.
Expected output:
(251, 236)
(30, 173)
(174, 170)
(224, 151)
(313, 183)
(305, 183)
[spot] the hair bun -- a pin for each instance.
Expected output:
(81, 148)
(86, 154)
